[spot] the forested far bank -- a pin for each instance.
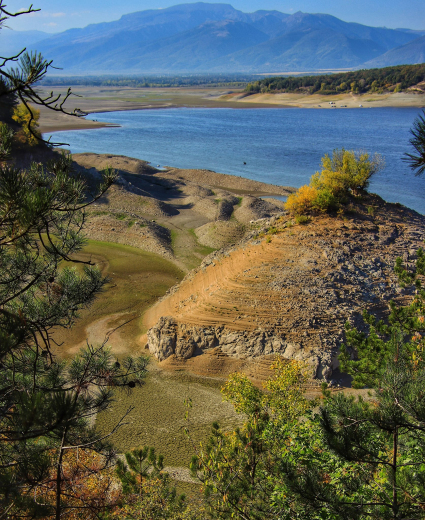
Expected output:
(388, 79)
(153, 81)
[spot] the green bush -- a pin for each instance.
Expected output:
(302, 219)
(326, 200)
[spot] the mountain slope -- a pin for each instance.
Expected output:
(12, 42)
(387, 38)
(411, 53)
(185, 51)
(301, 50)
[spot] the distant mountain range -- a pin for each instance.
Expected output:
(204, 37)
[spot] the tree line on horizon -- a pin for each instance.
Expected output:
(152, 81)
(388, 79)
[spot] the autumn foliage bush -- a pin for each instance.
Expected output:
(28, 120)
(302, 201)
(343, 174)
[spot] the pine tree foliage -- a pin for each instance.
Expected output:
(147, 489)
(46, 404)
(140, 464)
(417, 160)
(6, 139)
(19, 75)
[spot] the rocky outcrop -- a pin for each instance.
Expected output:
(169, 338)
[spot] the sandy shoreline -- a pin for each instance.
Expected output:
(93, 100)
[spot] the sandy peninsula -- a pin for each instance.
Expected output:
(369, 100)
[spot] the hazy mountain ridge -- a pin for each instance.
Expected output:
(204, 37)
(12, 42)
(414, 50)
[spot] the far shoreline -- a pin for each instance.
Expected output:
(94, 100)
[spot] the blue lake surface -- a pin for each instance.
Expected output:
(280, 146)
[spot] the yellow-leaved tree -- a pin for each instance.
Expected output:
(28, 120)
(235, 467)
(346, 173)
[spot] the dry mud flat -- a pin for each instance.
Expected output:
(158, 418)
(368, 100)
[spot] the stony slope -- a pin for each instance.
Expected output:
(287, 289)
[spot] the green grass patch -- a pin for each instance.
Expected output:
(120, 216)
(302, 219)
(137, 280)
(201, 249)
(272, 230)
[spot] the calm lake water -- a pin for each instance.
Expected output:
(279, 146)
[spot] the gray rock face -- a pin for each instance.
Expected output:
(162, 338)
(169, 338)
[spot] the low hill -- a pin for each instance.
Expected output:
(361, 81)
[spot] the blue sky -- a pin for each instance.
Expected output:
(59, 15)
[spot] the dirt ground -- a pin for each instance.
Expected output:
(401, 99)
